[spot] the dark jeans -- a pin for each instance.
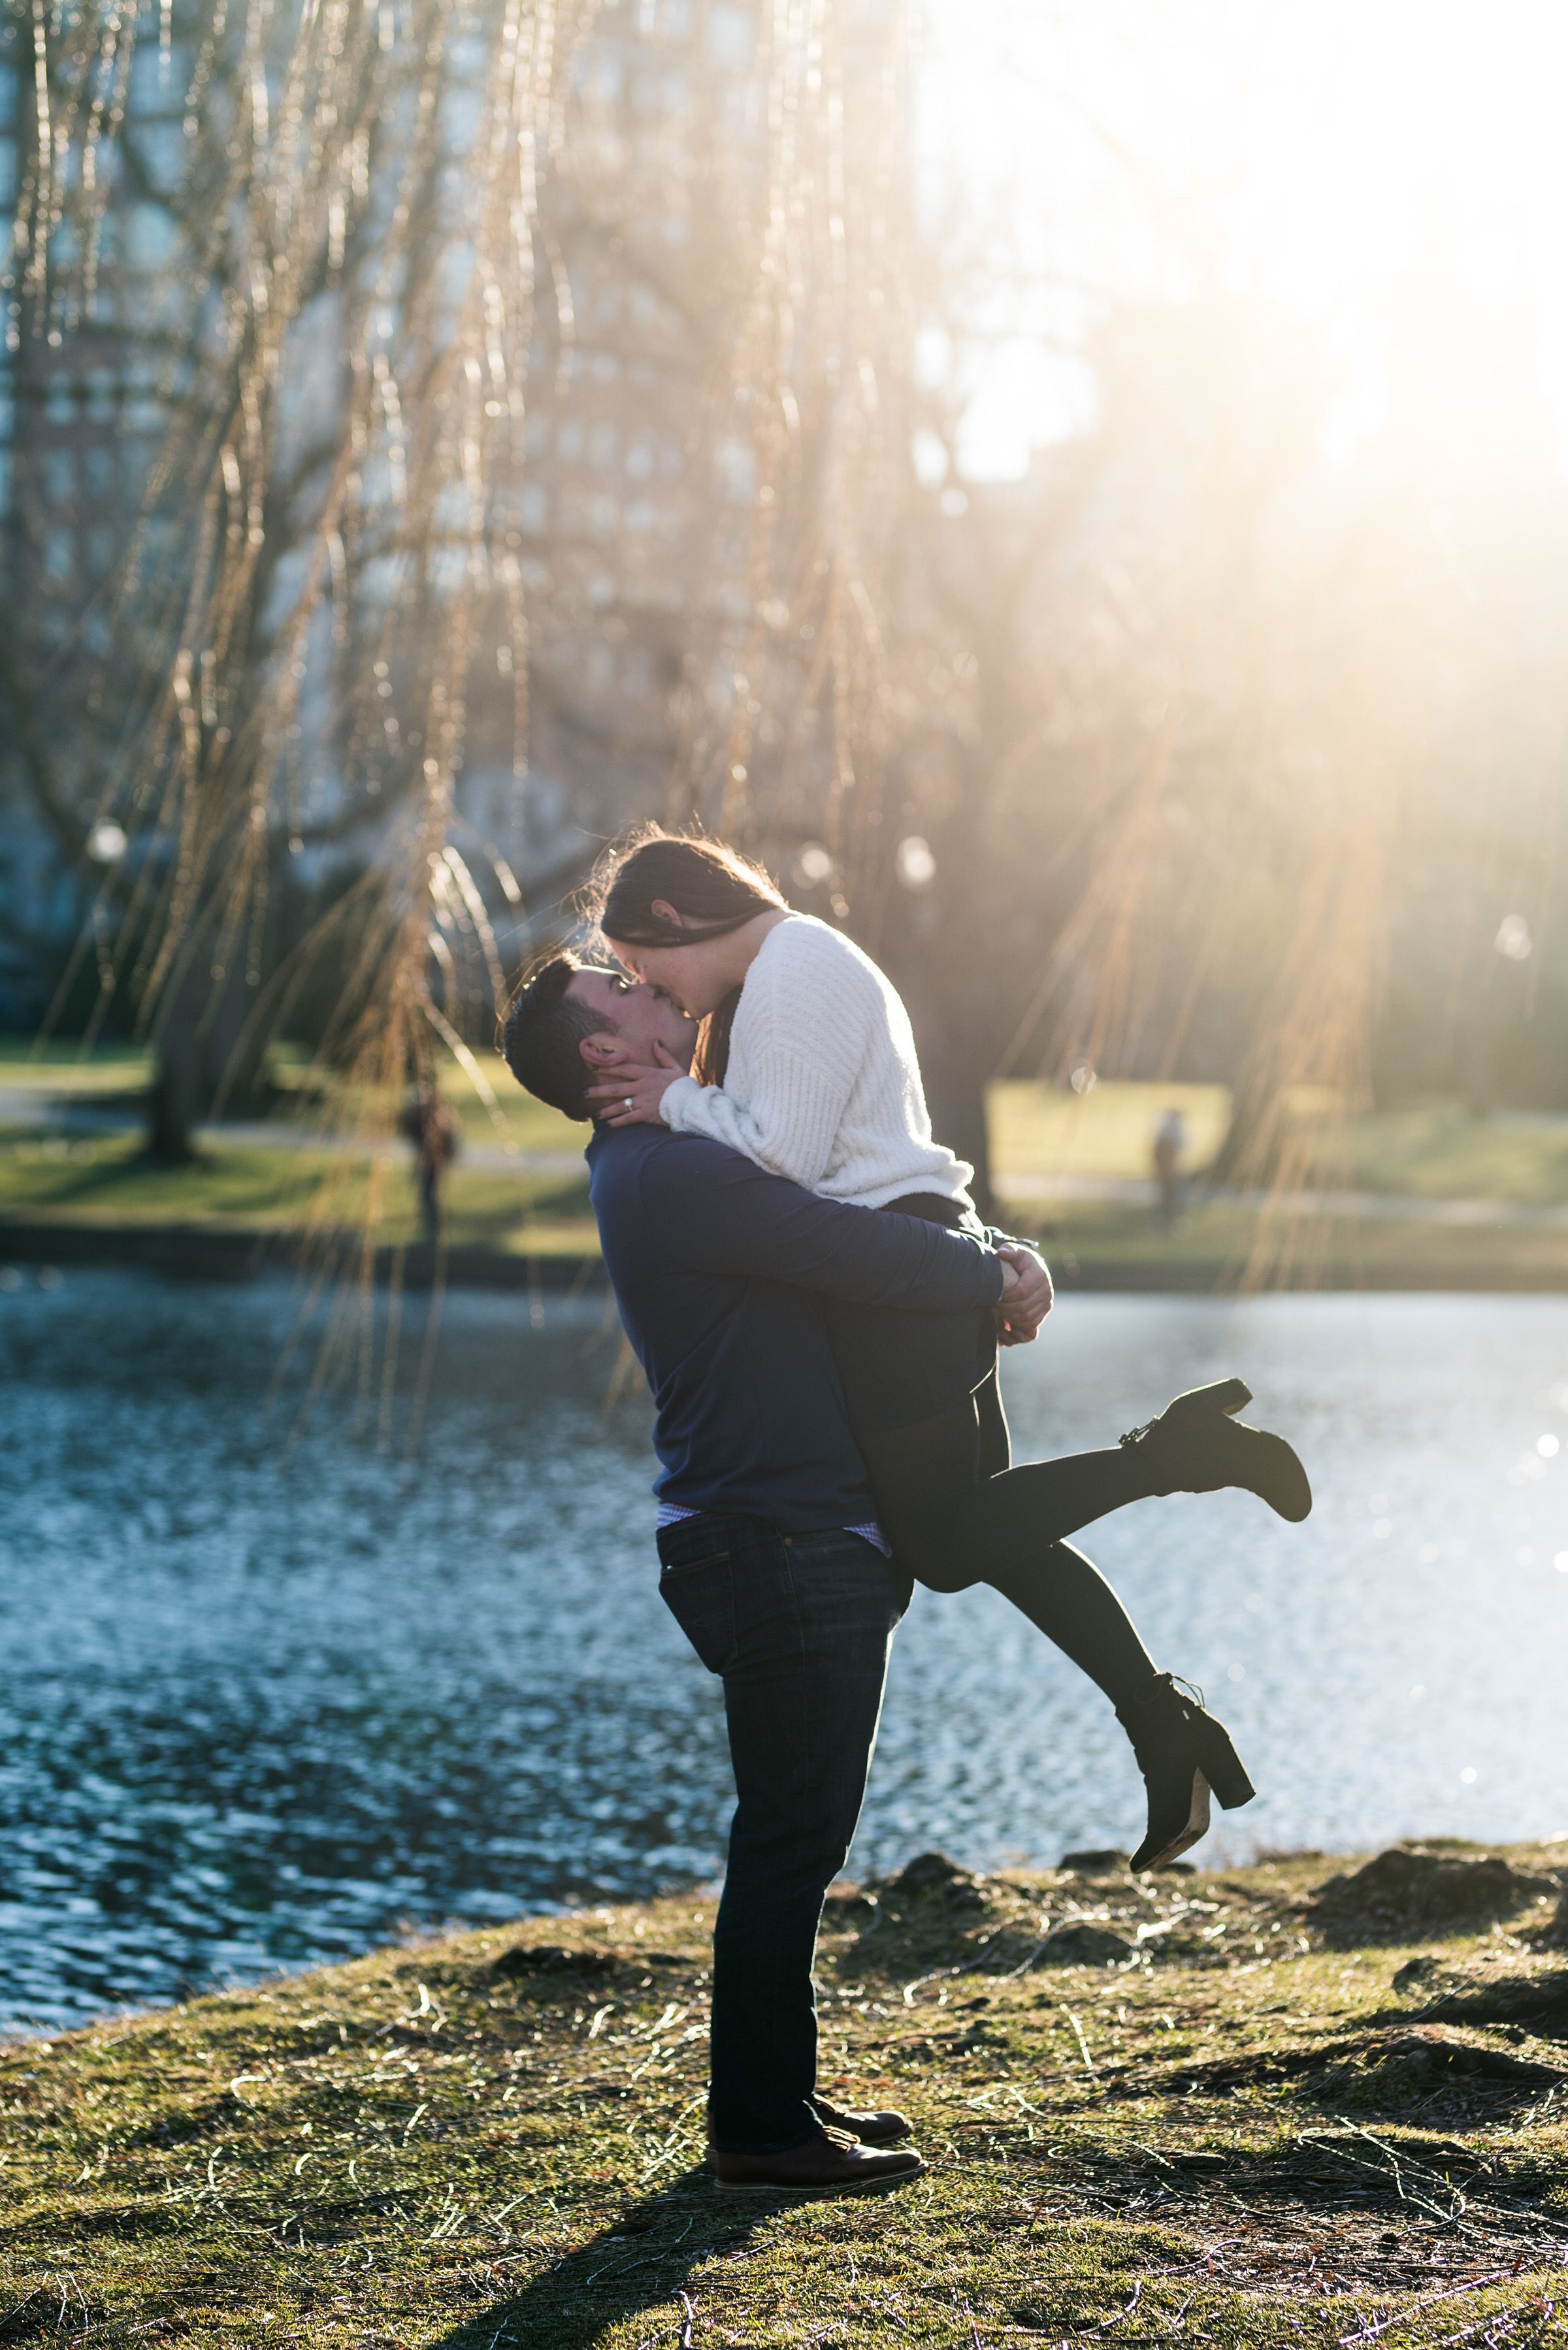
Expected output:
(799, 1625)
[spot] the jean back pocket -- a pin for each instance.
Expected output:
(700, 1594)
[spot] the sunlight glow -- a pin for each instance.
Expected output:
(1359, 160)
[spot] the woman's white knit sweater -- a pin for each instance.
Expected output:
(824, 1084)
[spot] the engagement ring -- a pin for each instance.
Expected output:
(628, 1101)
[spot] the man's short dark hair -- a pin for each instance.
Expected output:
(544, 1036)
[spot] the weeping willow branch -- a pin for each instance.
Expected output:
(371, 285)
(810, 435)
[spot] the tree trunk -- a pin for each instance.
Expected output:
(953, 1033)
(199, 1057)
(955, 1094)
(1250, 1105)
(173, 1103)
(170, 1115)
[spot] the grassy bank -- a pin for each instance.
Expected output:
(1435, 1150)
(246, 1183)
(107, 1183)
(1211, 2109)
(1106, 1242)
(71, 1198)
(516, 1189)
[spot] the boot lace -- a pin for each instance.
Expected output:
(1189, 1691)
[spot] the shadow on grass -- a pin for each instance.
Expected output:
(644, 2258)
(1394, 2075)
(87, 1183)
(67, 1181)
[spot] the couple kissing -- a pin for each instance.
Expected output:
(818, 1310)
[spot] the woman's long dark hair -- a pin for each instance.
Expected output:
(713, 886)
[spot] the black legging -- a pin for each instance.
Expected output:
(957, 1513)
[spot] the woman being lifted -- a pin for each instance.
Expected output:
(806, 1063)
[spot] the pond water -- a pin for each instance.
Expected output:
(266, 1701)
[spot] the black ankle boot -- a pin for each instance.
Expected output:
(1195, 1447)
(1183, 1753)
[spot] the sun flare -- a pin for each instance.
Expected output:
(1358, 162)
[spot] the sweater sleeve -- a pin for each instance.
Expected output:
(716, 1212)
(793, 1101)
(788, 1126)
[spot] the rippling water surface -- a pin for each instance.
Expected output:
(263, 1702)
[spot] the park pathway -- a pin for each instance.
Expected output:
(25, 1107)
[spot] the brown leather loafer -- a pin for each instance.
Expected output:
(825, 2165)
(871, 2130)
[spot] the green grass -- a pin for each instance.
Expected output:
(1099, 1238)
(246, 1187)
(64, 1069)
(1238, 2133)
(1043, 1130)
(1440, 1153)
(105, 1183)
(517, 1122)
(1434, 1152)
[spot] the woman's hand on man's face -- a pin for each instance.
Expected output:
(629, 1092)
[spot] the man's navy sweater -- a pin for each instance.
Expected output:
(717, 1268)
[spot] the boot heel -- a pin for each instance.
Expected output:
(1185, 1755)
(1229, 1395)
(1197, 1445)
(1222, 1766)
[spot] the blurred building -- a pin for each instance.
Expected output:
(82, 405)
(608, 531)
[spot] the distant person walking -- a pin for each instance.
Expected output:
(429, 1124)
(1169, 1151)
